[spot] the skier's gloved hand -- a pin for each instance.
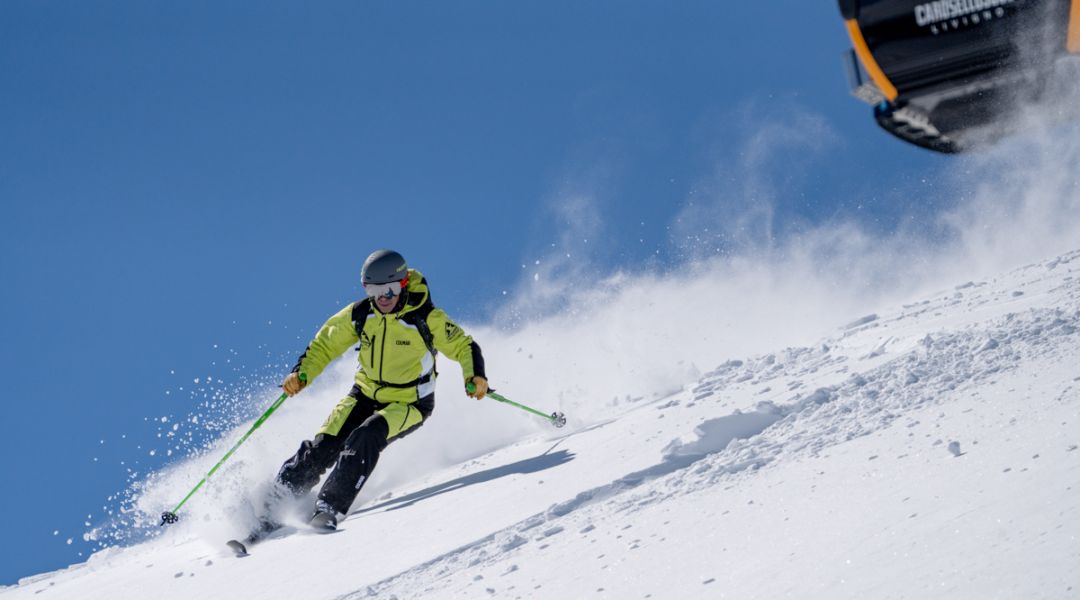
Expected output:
(292, 384)
(481, 388)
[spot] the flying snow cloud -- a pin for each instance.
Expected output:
(747, 283)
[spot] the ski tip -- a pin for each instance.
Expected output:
(237, 547)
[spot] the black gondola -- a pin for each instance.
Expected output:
(945, 74)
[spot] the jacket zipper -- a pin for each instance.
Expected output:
(382, 357)
(373, 340)
(382, 349)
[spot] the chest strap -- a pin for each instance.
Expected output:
(413, 383)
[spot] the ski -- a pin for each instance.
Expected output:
(238, 547)
(264, 530)
(242, 548)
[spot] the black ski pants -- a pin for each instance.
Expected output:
(355, 449)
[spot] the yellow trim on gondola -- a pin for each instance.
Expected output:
(1073, 43)
(871, 66)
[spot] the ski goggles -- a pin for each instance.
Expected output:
(385, 290)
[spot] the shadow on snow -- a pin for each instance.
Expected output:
(528, 466)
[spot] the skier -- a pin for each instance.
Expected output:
(399, 331)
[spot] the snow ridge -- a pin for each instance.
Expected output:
(931, 370)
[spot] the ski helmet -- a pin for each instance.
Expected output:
(384, 266)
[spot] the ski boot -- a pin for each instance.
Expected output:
(324, 519)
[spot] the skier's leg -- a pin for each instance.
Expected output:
(304, 469)
(361, 451)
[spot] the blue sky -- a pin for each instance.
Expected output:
(190, 188)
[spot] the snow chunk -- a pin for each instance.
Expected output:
(819, 396)
(954, 448)
(715, 434)
(861, 321)
(990, 344)
(512, 541)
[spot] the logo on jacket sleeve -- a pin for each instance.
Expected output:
(452, 330)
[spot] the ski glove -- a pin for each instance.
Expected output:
(481, 388)
(293, 384)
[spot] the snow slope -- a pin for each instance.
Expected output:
(928, 450)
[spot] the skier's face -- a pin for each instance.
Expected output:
(385, 304)
(386, 295)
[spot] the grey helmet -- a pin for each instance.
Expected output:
(384, 266)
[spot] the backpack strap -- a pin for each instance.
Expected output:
(418, 318)
(360, 311)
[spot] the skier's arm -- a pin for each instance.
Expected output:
(335, 337)
(452, 341)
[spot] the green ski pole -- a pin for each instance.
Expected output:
(556, 418)
(170, 516)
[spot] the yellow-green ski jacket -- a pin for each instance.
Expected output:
(395, 362)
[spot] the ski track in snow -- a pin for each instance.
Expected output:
(936, 365)
(880, 375)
